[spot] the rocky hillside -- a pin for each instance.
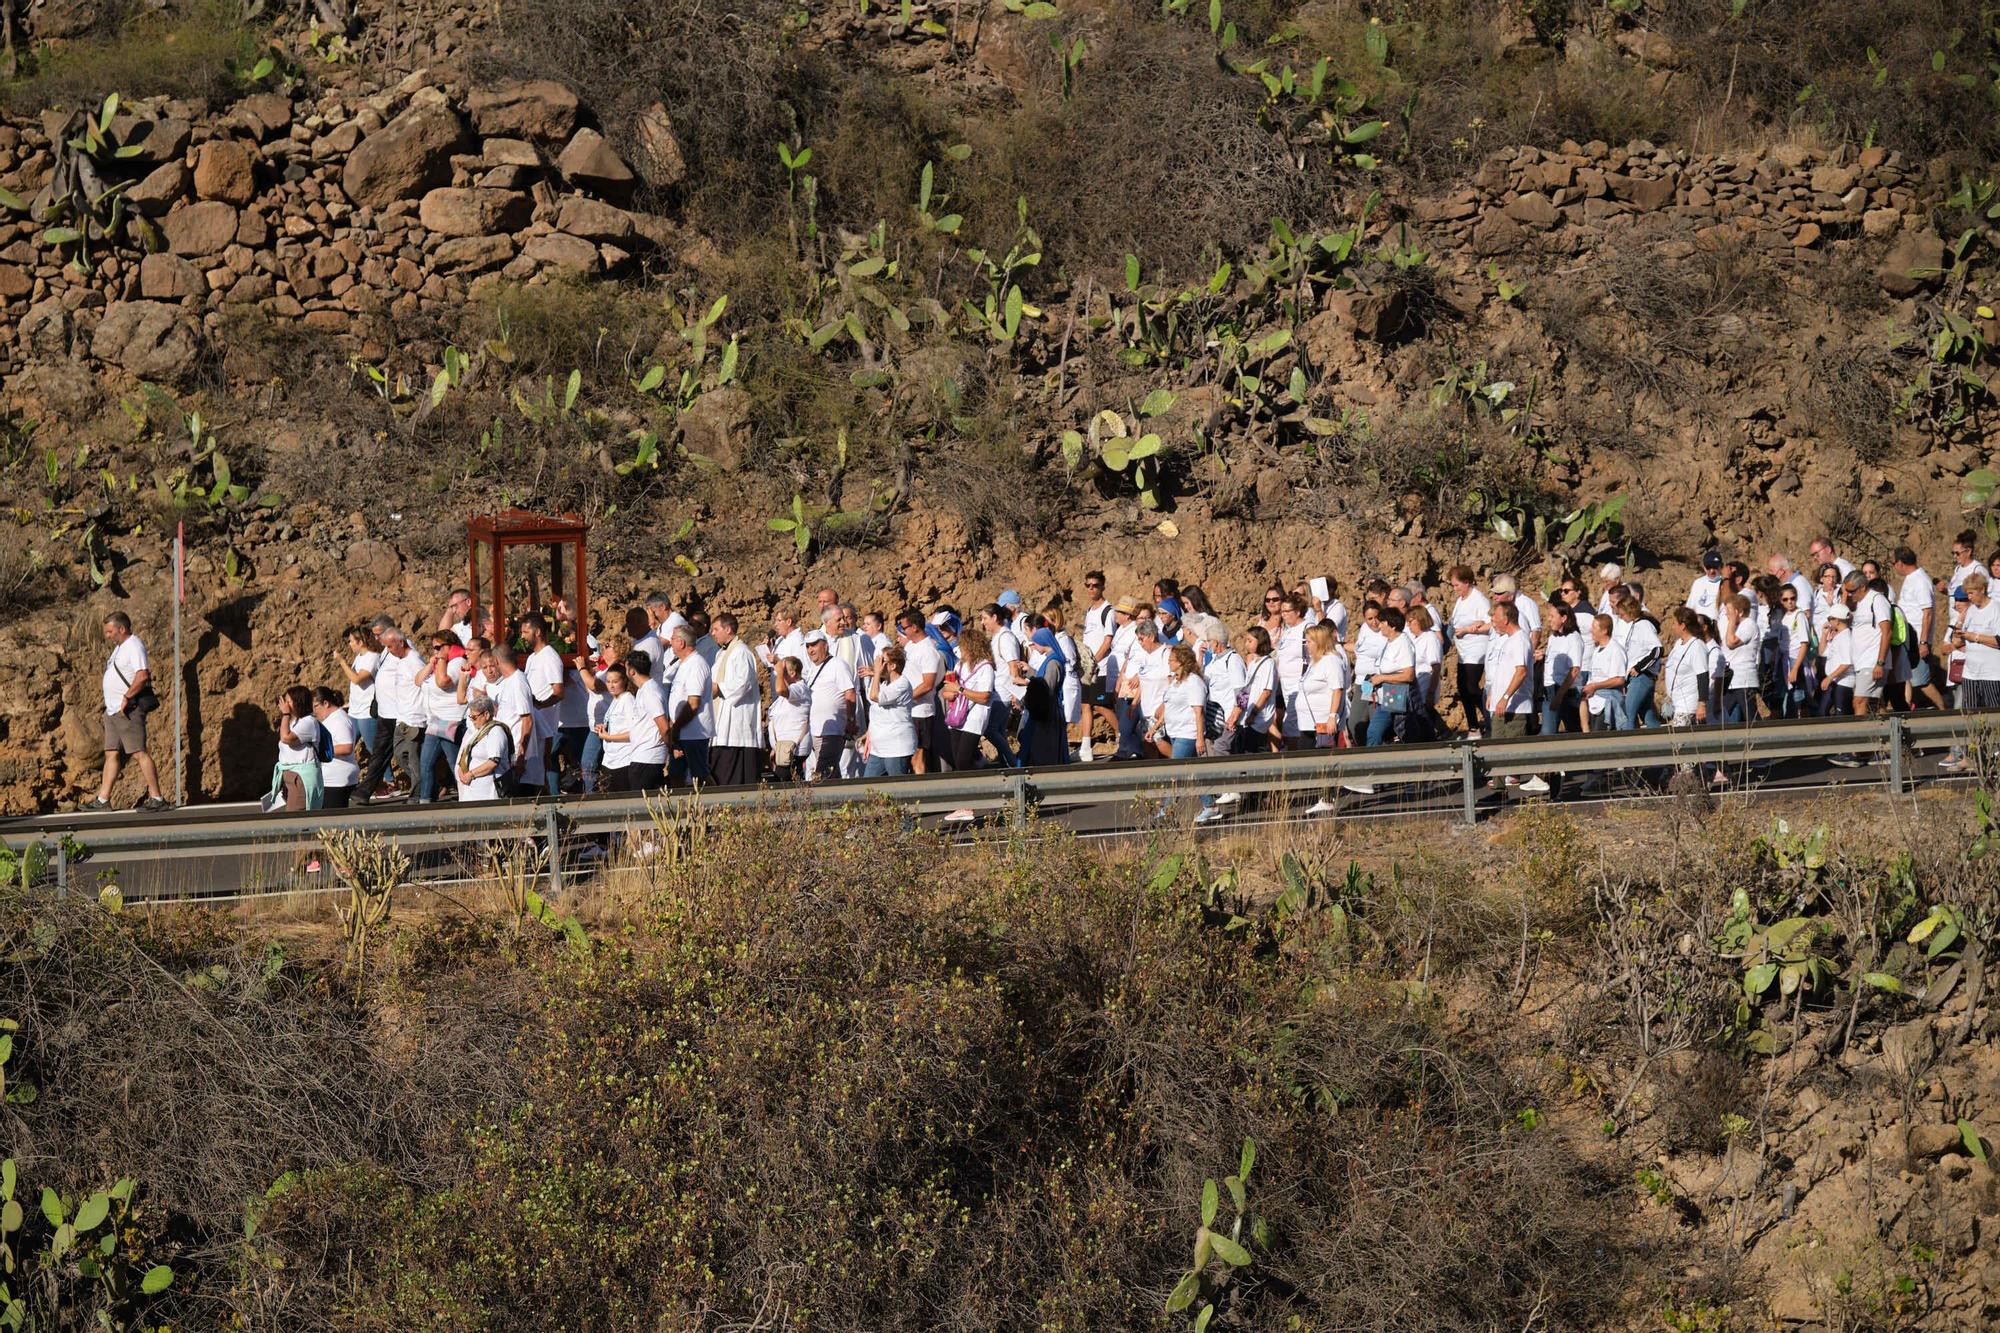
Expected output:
(973, 294)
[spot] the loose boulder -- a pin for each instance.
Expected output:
(405, 158)
(1913, 263)
(590, 162)
(537, 109)
(474, 212)
(716, 426)
(149, 339)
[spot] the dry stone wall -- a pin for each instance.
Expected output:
(346, 214)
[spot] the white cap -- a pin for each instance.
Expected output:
(941, 619)
(816, 636)
(1839, 613)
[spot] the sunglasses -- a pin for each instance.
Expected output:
(1269, 600)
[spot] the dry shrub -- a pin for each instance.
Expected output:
(139, 50)
(850, 1079)
(1158, 153)
(732, 84)
(207, 1066)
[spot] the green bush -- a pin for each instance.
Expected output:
(144, 52)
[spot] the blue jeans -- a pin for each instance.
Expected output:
(690, 765)
(1794, 701)
(1639, 707)
(1559, 718)
(368, 730)
(891, 766)
(593, 760)
(996, 731)
(1739, 707)
(1381, 725)
(1183, 748)
(1613, 717)
(436, 750)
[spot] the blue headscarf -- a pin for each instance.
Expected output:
(1045, 639)
(949, 653)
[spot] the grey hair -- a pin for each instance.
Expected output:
(1855, 580)
(660, 600)
(684, 635)
(1783, 562)
(481, 703)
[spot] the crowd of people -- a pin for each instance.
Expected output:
(678, 697)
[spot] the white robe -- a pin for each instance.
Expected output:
(738, 704)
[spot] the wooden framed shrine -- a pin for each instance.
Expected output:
(564, 537)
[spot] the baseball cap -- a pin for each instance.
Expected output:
(816, 636)
(1711, 560)
(1839, 613)
(1960, 595)
(1008, 598)
(1504, 584)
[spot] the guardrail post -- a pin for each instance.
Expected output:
(1895, 754)
(1017, 791)
(1468, 777)
(552, 827)
(62, 867)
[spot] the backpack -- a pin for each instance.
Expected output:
(324, 745)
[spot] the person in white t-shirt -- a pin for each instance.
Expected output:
(891, 741)
(1145, 683)
(127, 687)
(1824, 554)
(1322, 700)
(1427, 647)
(1472, 638)
(1510, 660)
(1100, 624)
(1795, 632)
(833, 692)
(514, 709)
(1604, 679)
(548, 680)
(923, 667)
(790, 720)
(1006, 650)
(1742, 647)
(1288, 649)
(438, 700)
(399, 673)
(1963, 566)
(456, 618)
(1869, 631)
(363, 653)
(338, 772)
(1978, 638)
(485, 756)
(1916, 598)
(1836, 682)
(689, 712)
(1564, 657)
(969, 690)
(1705, 593)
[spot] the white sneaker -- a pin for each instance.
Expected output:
(1358, 788)
(1320, 807)
(1513, 781)
(960, 817)
(1211, 815)
(1535, 787)
(590, 851)
(1083, 753)
(1229, 798)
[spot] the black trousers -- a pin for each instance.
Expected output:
(1472, 694)
(334, 798)
(735, 765)
(378, 758)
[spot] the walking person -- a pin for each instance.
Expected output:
(1044, 733)
(736, 750)
(485, 756)
(129, 697)
(1181, 717)
(296, 779)
(399, 671)
(364, 653)
(1472, 638)
(1322, 700)
(833, 693)
(623, 725)
(968, 697)
(891, 741)
(689, 712)
(338, 772)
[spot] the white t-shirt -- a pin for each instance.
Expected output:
(1471, 609)
(339, 771)
(920, 659)
(1183, 702)
(1740, 645)
(1322, 694)
(361, 698)
(1098, 623)
(1006, 650)
(1915, 597)
(1151, 669)
(1259, 678)
(544, 671)
(1124, 638)
(1335, 611)
(829, 683)
(1506, 652)
(1871, 613)
(474, 751)
(656, 654)
(1561, 655)
(1225, 675)
(396, 693)
(1290, 650)
(978, 680)
(1607, 662)
(1982, 661)
(693, 681)
(511, 703)
(1428, 651)
(791, 715)
(891, 733)
(1705, 597)
(1530, 615)
(648, 745)
(130, 658)
(1839, 652)
(1398, 654)
(1794, 634)
(625, 716)
(305, 731)
(573, 709)
(1682, 677)
(1639, 639)
(1368, 645)
(441, 709)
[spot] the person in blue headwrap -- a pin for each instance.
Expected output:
(1044, 737)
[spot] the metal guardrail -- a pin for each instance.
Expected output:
(194, 841)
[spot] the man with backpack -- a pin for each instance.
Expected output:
(1916, 600)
